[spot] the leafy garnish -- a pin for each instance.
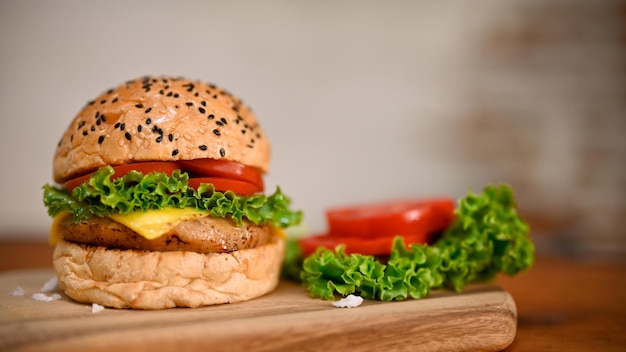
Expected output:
(103, 195)
(487, 237)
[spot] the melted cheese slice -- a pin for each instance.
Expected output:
(150, 224)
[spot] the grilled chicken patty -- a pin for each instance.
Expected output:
(202, 235)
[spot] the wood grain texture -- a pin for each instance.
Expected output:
(483, 318)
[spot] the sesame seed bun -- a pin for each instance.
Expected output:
(160, 119)
(158, 280)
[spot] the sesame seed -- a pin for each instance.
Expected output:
(176, 95)
(223, 120)
(114, 100)
(85, 133)
(139, 106)
(148, 110)
(175, 152)
(189, 103)
(203, 147)
(169, 94)
(222, 152)
(170, 137)
(122, 126)
(127, 135)
(211, 117)
(103, 101)
(93, 128)
(216, 132)
(103, 118)
(100, 139)
(148, 121)
(159, 139)
(117, 125)
(219, 123)
(203, 103)
(161, 92)
(139, 128)
(202, 110)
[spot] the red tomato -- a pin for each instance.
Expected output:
(121, 170)
(370, 229)
(369, 246)
(222, 169)
(391, 218)
(225, 184)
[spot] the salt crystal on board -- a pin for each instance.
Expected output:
(350, 301)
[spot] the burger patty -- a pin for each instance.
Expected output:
(202, 235)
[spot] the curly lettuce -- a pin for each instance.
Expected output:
(487, 237)
(103, 195)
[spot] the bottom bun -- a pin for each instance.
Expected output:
(157, 280)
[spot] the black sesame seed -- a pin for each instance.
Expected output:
(85, 133)
(114, 100)
(91, 102)
(222, 152)
(71, 138)
(159, 139)
(127, 135)
(81, 124)
(203, 147)
(103, 118)
(100, 139)
(103, 101)
(189, 103)
(161, 92)
(122, 126)
(98, 122)
(109, 91)
(243, 131)
(189, 86)
(93, 128)
(169, 94)
(139, 128)
(202, 110)
(214, 96)
(148, 121)
(170, 137)
(117, 125)
(250, 146)
(139, 106)
(155, 128)
(219, 123)
(223, 120)
(97, 114)
(148, 110)
(216, 132)
(176, 95)
(196, 94)
(175, 152)
(211, 117)
(203, 103)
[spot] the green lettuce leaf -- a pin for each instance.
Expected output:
(101, 196)
(487, 237)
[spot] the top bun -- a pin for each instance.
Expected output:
(160, 119)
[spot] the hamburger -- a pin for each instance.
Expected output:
(159, 199)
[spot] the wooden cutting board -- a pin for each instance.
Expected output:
(483, 318)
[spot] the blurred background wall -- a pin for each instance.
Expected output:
(363, 100)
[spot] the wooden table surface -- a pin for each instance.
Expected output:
(563, 304)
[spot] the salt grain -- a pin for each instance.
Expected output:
(19, 291)
(50, 285)
(349, 301)
(45, 298)
(96, 308)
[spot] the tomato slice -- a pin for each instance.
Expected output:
(223, 169)
(121, 170)
(369, 246)
(225, 184)
(406, 217)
